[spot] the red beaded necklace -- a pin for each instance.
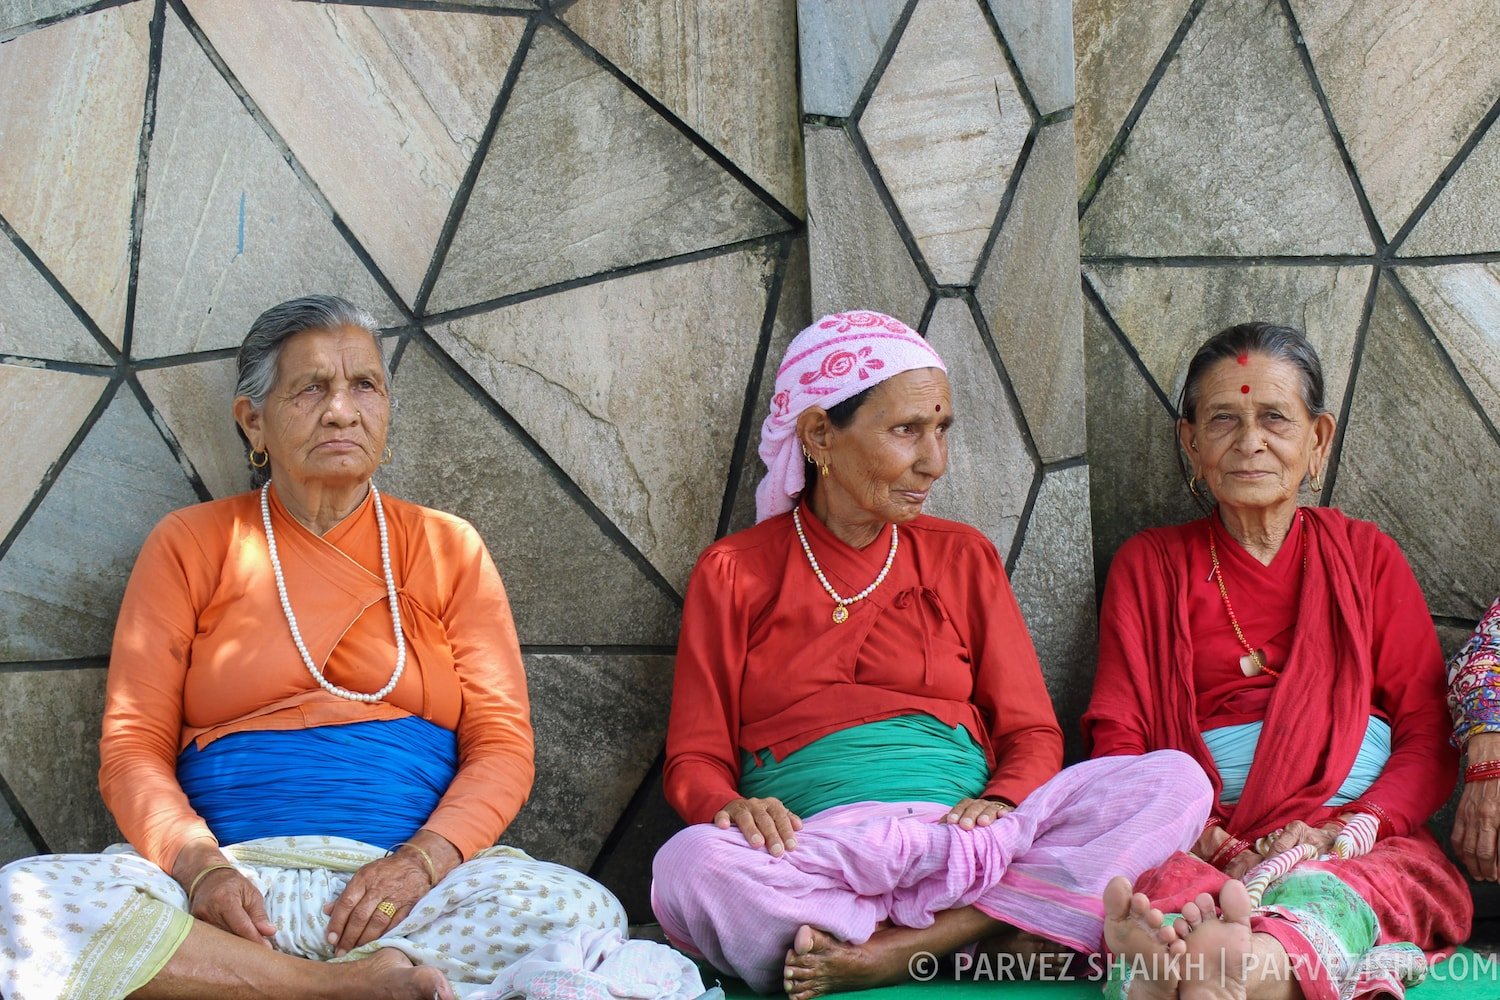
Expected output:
(1257, 658)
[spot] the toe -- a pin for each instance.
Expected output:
(1117, 898)
(1234, 900)
(803, 942)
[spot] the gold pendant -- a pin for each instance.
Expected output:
(840, 615)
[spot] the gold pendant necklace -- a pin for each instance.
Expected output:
(1256, 657)
(841, 604)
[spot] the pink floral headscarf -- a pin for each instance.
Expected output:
(837, 357)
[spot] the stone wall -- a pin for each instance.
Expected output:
(1331, 164)
(581, 226)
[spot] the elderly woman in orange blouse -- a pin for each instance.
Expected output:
(316, 726)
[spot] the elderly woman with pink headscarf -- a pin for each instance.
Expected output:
(860, 734)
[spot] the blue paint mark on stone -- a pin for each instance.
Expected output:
(240, 244)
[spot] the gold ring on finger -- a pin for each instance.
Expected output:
(388, 908)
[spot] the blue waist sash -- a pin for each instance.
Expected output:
(375, 782)
(1233, 747)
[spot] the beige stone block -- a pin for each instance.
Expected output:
(49, 754)
(1418, 461)
(1117, 44)
(727, 68)
(1463, 218)
(1029, 293)
(608, 183)
(196, 401)
(71, 100)
(793, 314)
(635, 386)
(230, 230)
(1168, 312)
(34, 320)
(1040, 36)
(383, 107)
(607, 711)
(1232, 155)
(1054, 584)
(990, 471)
(40, 412)
(1407, 82)
(62, 578)
(857, 259)
(1462, 304)
(945, 125)
(1134, 481)
(568, 581)
(838, 46)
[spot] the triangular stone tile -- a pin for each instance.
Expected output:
(383, 107)
(1134, 481)
(15, 843)
(793, 314)
(1117, 45)
(1039, 34)
(839, 45)
(34, 321)
(583, 372)
(1202, 175)
(1418, 461)
(728, 68)
(40, 412)
(16, 13)
(1406, 86)
(49, 754)
(1168, 312)
(857, 258)
(451, 453)
(230, 230)
(195, 400)
(62, 579)
(70, 129)
(1463, 218)
(989, 469)
(1054, 583)
(607, 183)
(610, 711)
(945, 125)
(1029, 294)
(1462, 305)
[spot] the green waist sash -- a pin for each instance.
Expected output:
(911, 758)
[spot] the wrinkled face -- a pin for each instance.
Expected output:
(895, 448)
(326, 417)
(1254, 440)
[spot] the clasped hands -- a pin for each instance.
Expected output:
(228, 900)
(1294, 834)
(770, 824)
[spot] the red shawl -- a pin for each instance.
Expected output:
(1364, 642)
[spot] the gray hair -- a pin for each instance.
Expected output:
(1279, 343)
(261, 349)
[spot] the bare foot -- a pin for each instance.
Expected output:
(1135, 932)
(1217, 945)
(819, 963)
(389, 975)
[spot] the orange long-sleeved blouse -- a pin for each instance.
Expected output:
(202, 649)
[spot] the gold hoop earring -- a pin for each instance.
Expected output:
(1315, 481)
(265, 459)
(824, 470)
(385, 459)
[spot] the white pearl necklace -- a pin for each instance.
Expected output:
(291, 619)
(841, 613)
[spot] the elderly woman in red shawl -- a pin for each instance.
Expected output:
(1290, 651)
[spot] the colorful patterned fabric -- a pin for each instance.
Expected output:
(837, 357)
(102, 925)
(1474, 680)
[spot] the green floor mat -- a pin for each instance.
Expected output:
(1466, 976)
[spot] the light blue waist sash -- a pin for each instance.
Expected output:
(1233, 747)
(375, 782)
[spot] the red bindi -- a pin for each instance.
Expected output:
(1245, 389)
(1243, 359)
(939, 408)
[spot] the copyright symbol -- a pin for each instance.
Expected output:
(922, 967)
